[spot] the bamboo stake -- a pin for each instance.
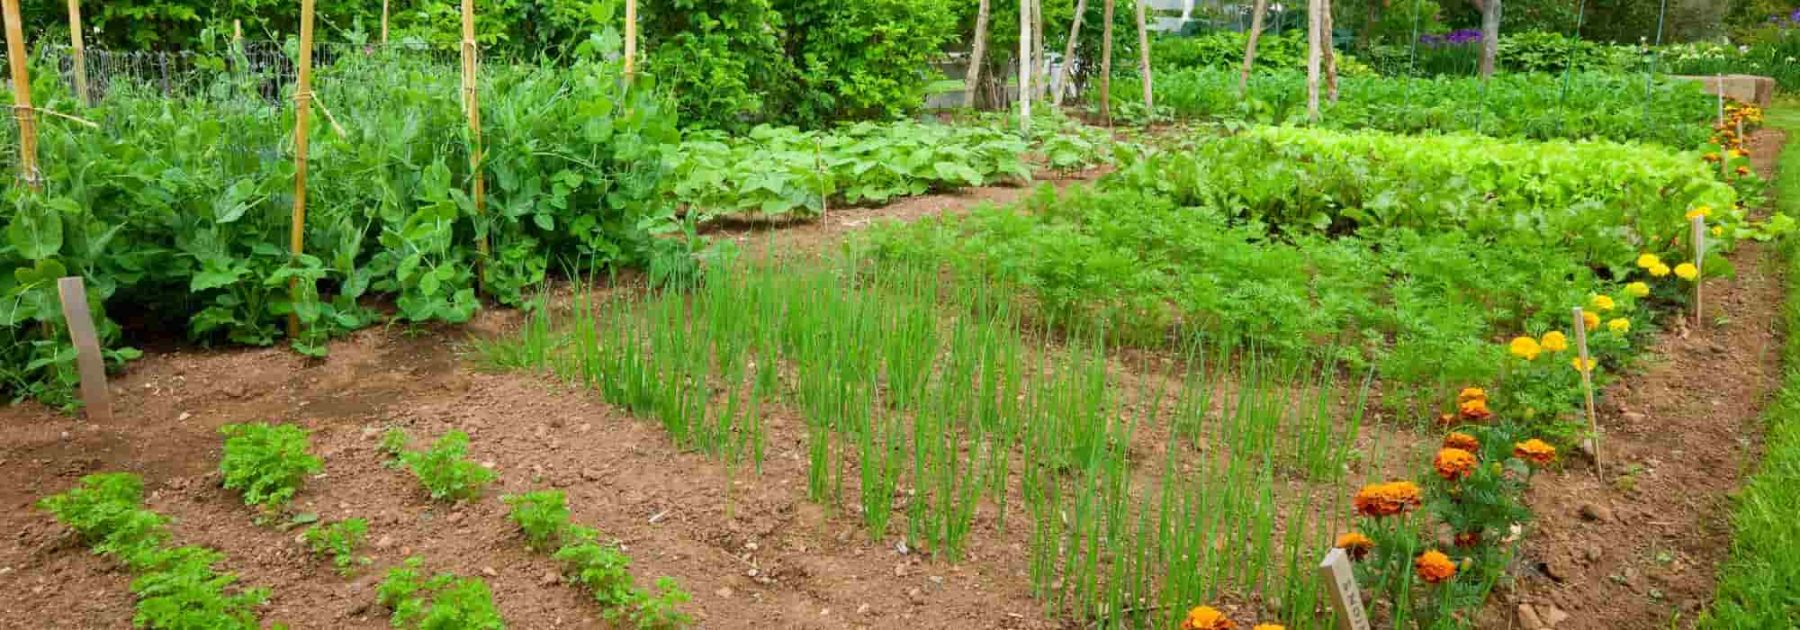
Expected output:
(630, 41)
(1106, 41)
(302, 107)
(1068, 65)
(1699, 224)
(22, 110)
(472, 103)
(80, 53)
(1025, 67)
(1587, 383)
(237, 33)
(1144, 58)
(384, 22)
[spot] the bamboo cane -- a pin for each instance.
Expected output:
(384, 22)
(1586, 368)
(302, 107)
(22, 110)
(630, 41)
(1699, 223)
(472, 103)
(79, 51)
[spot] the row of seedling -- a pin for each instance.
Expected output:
(176, 586)
(603, 570)
(926, 398)
(267, 464)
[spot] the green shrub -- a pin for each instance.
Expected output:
(603, 570)
(542, 515)
(444, 470)
(340, 541)
(441, 601)
(266, 463)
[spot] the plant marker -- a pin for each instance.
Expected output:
(1341, 581)
(79, 52)
(73, 293)
(1699, 224)
(1587, 384)
(22, 110)
(472, 104)
(302, 107)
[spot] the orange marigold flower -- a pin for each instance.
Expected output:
(1356, 545)
(1453, 463)
(1536, 451)
(1447, 419)
(1206, 618)
(1269, 626)
(1710, 157)
(1470, 393)
(1743, 170)
(1465, 540)
(1463, 441)
(1386, 499)
(1434, 567)
(1474, 410)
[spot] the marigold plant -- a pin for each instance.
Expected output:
(1637, 289)
(1602, 303)
(1434, 567)
(1355, 545)
(1453, 464)
(1525, 348)
(1590, 320)
(1701, 211)
(1581, 365)
(1387, 499)
(1535, 451)
(1554, 341)
(1687, 271)
(1659, 270)
(1269, 626)
(1467, 540)
(1470, 393)
(1619, 325)
(1474, 410)
(1206, 618)
(1646, 261)
(1464, 441)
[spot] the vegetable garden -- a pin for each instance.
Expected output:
(670, 317)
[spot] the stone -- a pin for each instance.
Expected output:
(1596, 512)
(1554, 617)
(1528, 618)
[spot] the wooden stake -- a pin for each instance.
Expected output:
(472, 103)
(1062, 74)
(1106, 41)
(1719, 86)
(22, 110)
(88, 360)
(1144, 58)
(1699, 223)
(630, 41)
(1587, 382)
(79, 52)
(384, 22)
(302, 108)
(1340, 580)
(1025, 68)
(977, 52)
(1256, 27)
(237, 33)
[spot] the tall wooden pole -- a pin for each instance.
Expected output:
(79, 51)
(1256, 28)
(1144, 58)
(977, 53)
(384, 22)
(22, 110)
(631, 36)
(1106, 41)
(1025, 68)
(1314, 48)
(472, 103)
(302, 108)
(1068, 58)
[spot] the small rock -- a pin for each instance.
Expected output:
(862, 610)
(455, 517)
(234, 390)
(1593, 553)
(915, 594)
(900, 570)
(937, 579)
(550, 578)
(489, 464)
(1556, 568)
(489, 571)
(384, 542)
(724, 592)
(183, 417)
(1632, 417)
(1596, 512)
(359, 607)
(752, 572)
(1528, 618)
(590, 474)
(1555, 617)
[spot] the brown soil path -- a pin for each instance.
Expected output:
(1640, 546)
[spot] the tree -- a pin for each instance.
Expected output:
(1106, 46)
(1256, 27)
(1144, 59)
(977, 53)
(1490, 34)
(1068, 58)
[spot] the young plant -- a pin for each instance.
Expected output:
(105, 511)
(394, 443)
(603, 570)
(340, 541)
(542, 515)
(661, 611)
(439, 601)
(183, 591)
(444, 470)
(267, 463)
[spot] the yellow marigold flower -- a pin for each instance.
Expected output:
(1434, 567)
(1702, 211)
(1687, 271)
(1471, 393)
(1387, 499)
(1718, 230)
(1647, 261)
(1206, 618)
(1659, 270)
(1453, 463)
(1581, 366)
(1619, 325)
(1464, 441)
(1590, 319)
(1602, 303)
(1637, 289)
(1535, 451)
(1356, 545)
(1554, 341)
(1525, 348)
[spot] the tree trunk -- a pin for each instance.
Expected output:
(1490, 36)
(1256, 27)
(1040, 71)
(1330, 53)
(1068, 59)
(977, 54)
(1314, 58)
(1106, 39)
(1144, 58)
(1025, 68)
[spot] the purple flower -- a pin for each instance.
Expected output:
(1795, 16)
(1469, 35)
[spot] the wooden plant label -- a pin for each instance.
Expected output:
(1341, 580)
(73, 293)
(1699, 224)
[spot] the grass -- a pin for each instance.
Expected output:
(1756, 586)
